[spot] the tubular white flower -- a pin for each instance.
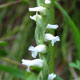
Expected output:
(35, 50)
(47, 1)
(51, 76)
(50, 37)
(35, 16)
(38, 9)
(35, 62)
(50, 26)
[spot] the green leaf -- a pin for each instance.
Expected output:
(25, 2)
(3, 43)
(3, 53)
(75, 30)
(37, 69)
(13, 71)
(17, 72)
(58, 77)
(75, 65)
(32, 77)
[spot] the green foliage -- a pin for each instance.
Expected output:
(13, 71)
(58, 77)
(73, 26)
(3, 53)
(75, 65)
(17, 72)
(3, 43)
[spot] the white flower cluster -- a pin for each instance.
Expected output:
(35, 62)
(41, 48)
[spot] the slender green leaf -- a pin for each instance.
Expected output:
(73, 26)
(3, 53)
(3, 43)
(14, 71)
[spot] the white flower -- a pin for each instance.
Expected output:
(35, 62)
(38, 9)
(50, 37)
(51, 76)
(35, 16)
(35, 50)
(50, 26)
(47, 1)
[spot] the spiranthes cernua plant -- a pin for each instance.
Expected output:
(42, 19)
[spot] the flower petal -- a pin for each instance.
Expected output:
(37, 49)
(35, 62)
(51, 76)
(50, 37)
(38, 9)
(49, 26)
(35, 16)
(47, 1)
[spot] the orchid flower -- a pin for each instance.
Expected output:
(50, 37)
(35, 62)
(37, 49)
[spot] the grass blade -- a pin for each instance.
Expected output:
(73, 26)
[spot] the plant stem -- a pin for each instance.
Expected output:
(51, 48)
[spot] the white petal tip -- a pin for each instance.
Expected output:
(39, 8)
(50, 26)
(57, 38)
(51, 76)
(47, 1)
(31, 48)
(34, 54)
(33, 18)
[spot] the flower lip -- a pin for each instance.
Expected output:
(35, 16)
(35, 62)
(37, 49)
(50, 26)
(50, 37)
(38, 9)
(47, 1)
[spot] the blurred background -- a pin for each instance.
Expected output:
(17, 34)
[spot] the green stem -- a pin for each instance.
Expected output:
(51, 48)
(63, 42)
